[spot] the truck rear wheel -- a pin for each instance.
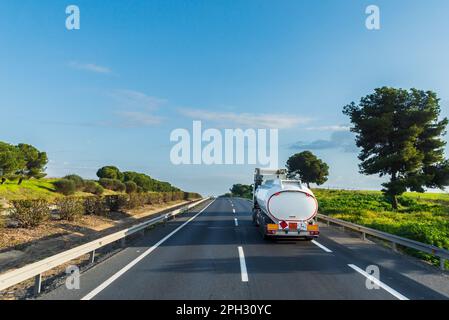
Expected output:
(255, 222)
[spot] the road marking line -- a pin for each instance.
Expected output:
(378, 282)
(236, 222)
(321, 246)
(233, 210)
(102, 286)
(243, 265)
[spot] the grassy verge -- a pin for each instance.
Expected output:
(35, 189)
(421, 217)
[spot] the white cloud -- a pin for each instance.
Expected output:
(135, 99)
(275, 121)
(329, 128)
(90, 67)
(132, 119)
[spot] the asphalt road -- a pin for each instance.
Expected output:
(218, 254)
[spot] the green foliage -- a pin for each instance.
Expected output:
(136, 200)
(99, 190)
(191, 195)
(308, 167)
(110, 172)
(112, 184)
(116, 202)
(89, 186)
(30, 213)
(131, 186)
(94, 205)
(242, 190)
(33, 165)
(79, 182)
(93, 187)
(420, 217)
(147, 183)
(70, 208)
(10, 161)
(65, 186)
(2, 217)
(401, 137)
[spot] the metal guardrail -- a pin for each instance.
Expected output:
(36, 269)
(442, 254)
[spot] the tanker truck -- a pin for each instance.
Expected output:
(283, 207)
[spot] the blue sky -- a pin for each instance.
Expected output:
(111, 92)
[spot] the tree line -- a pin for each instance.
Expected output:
(24, 161)
(131, 181)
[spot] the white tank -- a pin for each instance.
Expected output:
(287, 200)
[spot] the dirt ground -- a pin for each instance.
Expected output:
(20, 246)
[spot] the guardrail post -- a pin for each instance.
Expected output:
(442, 263)
(123, 242)
(37, 284)
(328, 223)
(394, 247)
(92, 257)
(363, 236)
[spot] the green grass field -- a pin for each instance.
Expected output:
(34, 189)
(422, 217)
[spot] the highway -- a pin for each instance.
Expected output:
(215, 252)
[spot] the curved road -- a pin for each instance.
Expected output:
(215, 252)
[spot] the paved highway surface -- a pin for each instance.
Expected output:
(214, 252)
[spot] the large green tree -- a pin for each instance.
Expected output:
(400, 136)
(110, 172)
(10, 161)
(33, 164)
(242, 190)
(308, 167)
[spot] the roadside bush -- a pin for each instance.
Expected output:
(136, 200)
(167, 196)
(94, 205)
(30, 213)
(92, 187)
(131, 187)
(65, 186)
(155, 198)
(79, 182)
(112, 184)
(116, 202)
(2, 217)
(98, 190)
(70, 208)
(194, 195)
(89, 186)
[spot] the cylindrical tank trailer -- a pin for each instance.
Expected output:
(283, 207)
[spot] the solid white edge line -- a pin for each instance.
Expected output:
(243, 270)
(379, 283)
(236, 222)
(321, 246)
(102, 286)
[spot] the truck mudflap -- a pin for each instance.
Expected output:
(292, 229)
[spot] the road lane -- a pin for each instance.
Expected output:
(200, 262)
(276, 266)
(209, 257)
